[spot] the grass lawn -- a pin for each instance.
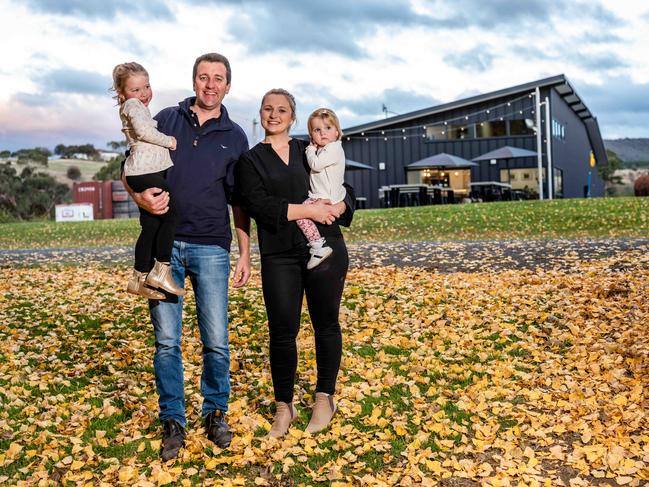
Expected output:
(570, 218)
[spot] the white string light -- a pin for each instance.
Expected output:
(374, 134)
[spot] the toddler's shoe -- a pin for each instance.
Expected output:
(160, 277)
(319, 252)
(137, 285)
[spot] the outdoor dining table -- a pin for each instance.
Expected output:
(397, 195)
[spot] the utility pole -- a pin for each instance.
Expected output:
(548, 142)
(539, 147)
(254, 131)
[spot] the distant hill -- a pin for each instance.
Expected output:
(629, 150)
(57, 168)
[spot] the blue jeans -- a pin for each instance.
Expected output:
(208, 268)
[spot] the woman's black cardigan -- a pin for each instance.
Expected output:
(265, 186)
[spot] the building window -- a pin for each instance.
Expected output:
(436, 132)
(525, 179)
(558, 130)
(448, 132)
(519, 127)
(454, 178)
(496, 128)
(458, 132)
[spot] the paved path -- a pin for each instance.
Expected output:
(445, 257)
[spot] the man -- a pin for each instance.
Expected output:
(201, 182)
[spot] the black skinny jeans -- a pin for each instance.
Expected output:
(157, 235)
(285, 280)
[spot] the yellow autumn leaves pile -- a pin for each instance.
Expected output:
(519, 377)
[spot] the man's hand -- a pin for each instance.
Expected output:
(153, 200)
(241, 272)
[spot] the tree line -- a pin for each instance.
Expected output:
(28, 193)
(40, 155)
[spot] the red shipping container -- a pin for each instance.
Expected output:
(107, 200)
(89, 192)
(99, 193)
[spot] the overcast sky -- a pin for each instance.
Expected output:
(351, 55)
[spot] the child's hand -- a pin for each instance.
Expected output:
(173, 143)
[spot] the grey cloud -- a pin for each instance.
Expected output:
(616, 95)
(477, 59)
(601, 37)
(341, 26)
(599, 62)
(364, 109)
(33, 99)
(310, 26)
(514, 14)
(620, 105)
(153, 9)
(20, 139)
(68, 80)
(396, 100)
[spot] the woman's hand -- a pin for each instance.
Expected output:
(340, 208)
(323, 212)
(153, 200)
(173, 143)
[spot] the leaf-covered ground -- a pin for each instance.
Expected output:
(517, 377)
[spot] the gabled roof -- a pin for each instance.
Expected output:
(560, 83)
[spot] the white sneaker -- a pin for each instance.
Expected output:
(318, 254)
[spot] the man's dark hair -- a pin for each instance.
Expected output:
(213, 57)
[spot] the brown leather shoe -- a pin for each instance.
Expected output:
(173, 439)
(137, 285)
(160, 277)
(284, 416)
(323, 410)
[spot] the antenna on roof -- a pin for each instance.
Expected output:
(385, 110)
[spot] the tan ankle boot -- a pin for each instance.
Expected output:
(160, 277)
(136, 285)
(284, 416)
(323, 410)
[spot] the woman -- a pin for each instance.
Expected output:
(273, 180)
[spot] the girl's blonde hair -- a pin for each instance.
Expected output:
(121, 72)
(326, 115)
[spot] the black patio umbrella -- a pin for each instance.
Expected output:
(356, 166)
(441, 160)
(506, 152)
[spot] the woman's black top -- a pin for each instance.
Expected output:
(265, 186)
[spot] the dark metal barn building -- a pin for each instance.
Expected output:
(437, 150)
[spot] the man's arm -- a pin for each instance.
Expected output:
(149, 199)
(242, 229)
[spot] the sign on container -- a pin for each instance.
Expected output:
(74, 212)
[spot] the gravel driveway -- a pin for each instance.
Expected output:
(443, 257)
